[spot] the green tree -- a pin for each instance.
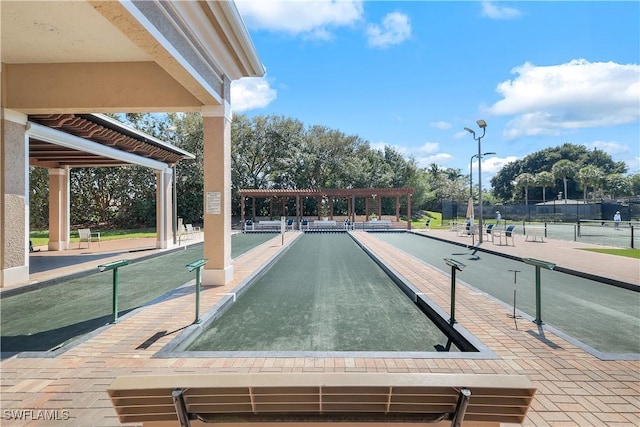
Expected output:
(544, 179)
(618, 185)
(589, 176)
(564, 169)
(524, 181)
(38, 198)
(185, 131)
(543, 161)
(634, 184)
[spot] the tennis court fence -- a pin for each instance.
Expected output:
(622, 234)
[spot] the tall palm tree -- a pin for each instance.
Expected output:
(525, 180)
(564, 169)
(544, 179)
(589, 176)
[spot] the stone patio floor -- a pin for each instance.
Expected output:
(574, 388)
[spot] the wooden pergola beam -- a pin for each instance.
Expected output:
(349, 193)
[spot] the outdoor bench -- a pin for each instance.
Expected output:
(268, 225)
(378, 224)
(324, 224)
(476, 399)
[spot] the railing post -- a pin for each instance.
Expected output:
(455, 266)
(197, 265)
(539, 264)
(114, 302)
(538, 320)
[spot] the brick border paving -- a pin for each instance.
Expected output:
(574, 387)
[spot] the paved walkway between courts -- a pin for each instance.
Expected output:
(564, 253)
(574, 388)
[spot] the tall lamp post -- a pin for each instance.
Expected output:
(483, 125)
(491, 153)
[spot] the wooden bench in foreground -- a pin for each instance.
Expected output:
(340, 398)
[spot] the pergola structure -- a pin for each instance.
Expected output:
(372, 197)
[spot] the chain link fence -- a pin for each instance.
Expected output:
(574, 220)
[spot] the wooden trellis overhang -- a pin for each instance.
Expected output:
(96, 140)
(370, 195)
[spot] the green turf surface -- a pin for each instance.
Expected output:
(44, 318)
(323, 294)
(604, 317)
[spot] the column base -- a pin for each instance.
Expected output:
(165, 244)
(217, 276)
(14, 276)
(58, 246)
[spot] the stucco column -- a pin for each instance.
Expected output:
(164, 208)
(217, 195)
(14, 210)
(59, 209)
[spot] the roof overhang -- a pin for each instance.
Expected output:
(121, 56)
(83, 140)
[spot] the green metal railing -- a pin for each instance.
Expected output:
(538, 265)
(455, 266)
(114, 266)
(197, 265)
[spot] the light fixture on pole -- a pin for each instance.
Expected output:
(483, 125)
(491, 153)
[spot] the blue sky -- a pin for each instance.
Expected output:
(413, 74)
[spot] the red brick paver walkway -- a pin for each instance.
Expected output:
(574, 387)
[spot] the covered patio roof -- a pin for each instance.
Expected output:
(114, 143)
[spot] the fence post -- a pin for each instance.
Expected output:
(196, 265)
(539, 264)
(455, 266)
(114, 266)
(631, 227)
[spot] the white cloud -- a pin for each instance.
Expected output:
(440, 125)
(551, 100)
(491, 10)
(492, 165)
(610, 147)
(429, 147)
(395, 29)
(461, 134)
(620, 152)
(380, 146)
(437, 158)
(251, 92)
(310, 18)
